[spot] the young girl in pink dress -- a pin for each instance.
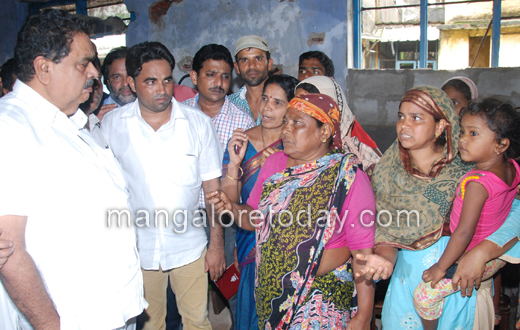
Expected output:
(490, 138)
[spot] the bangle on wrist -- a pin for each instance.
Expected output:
(241, 171)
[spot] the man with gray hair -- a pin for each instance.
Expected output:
(69, 270)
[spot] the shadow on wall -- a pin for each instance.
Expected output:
(374, 95)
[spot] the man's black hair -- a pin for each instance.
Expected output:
(322, 57)
(48, 33)
(8, 74)
(115, 54)
(145, 52)
(211, 52)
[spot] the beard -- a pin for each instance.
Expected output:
(122, 99)
(253, 82)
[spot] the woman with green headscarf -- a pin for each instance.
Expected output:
(414, 185)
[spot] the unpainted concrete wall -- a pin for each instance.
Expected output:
(374, 95)
(479, 11)
(186, 25)
(12, 17)
(454, 49)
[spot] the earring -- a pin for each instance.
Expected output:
(325, 140)
(437, 136)
(498, 153)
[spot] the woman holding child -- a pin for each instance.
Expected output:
(421, 172)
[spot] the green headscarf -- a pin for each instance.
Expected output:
(398, 186)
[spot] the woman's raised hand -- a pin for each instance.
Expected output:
(376, 267)
(237, 147)
(219, 201)
(266, 153)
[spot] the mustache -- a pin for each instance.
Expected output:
(122, 89)
(161, 96)
(89, 83)
(253, 70)
(218, 88)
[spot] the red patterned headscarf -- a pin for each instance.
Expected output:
(324, 109)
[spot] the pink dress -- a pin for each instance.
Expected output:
(353, 233)
(495, 209)
(429, 303)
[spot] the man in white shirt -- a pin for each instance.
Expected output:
(168, 151)
(69, 269)
(90, 106)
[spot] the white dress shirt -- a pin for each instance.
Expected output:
(164, 170)
(94, 127)
(56, 175)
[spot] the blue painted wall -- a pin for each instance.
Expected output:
(285, 24)
(12, 17)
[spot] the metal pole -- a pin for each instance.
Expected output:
(81, 7)
(357, 34)
(495, 35)
(481, 43)
(423, 51)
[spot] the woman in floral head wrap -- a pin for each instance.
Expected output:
(305, 239)
(326, 85)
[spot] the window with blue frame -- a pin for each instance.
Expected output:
(403, 55)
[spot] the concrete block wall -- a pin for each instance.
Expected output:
(374, 95)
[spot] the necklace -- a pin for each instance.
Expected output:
(262, 132)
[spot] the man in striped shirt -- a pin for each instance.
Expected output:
(211, 73)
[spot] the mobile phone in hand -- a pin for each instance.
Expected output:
(237, 149)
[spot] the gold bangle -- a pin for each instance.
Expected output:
(239, 177)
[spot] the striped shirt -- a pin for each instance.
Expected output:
(239, 99)
(229, 118)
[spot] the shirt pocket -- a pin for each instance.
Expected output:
(185, 171)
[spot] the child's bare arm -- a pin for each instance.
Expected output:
(474, 200)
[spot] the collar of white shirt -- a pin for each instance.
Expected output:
(133, 110)
(46, 111)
